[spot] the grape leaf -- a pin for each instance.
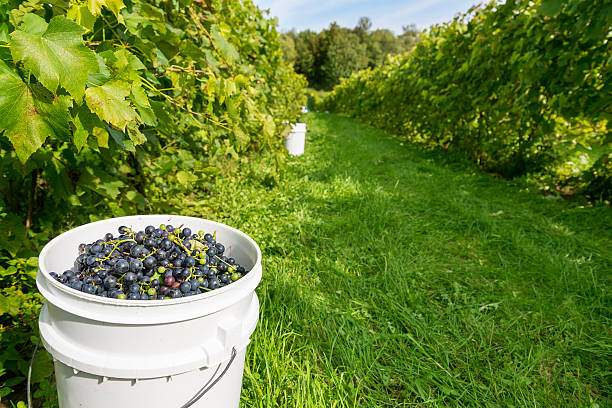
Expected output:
(185, 178)
(57, 56)
(551, 7)
(268, 126)
(28, 114)
(135, 134)
(86, 124)
(95, 7)
(139, 98)
(82, 15)
(225, 48)
(109, 103)
(34, 24)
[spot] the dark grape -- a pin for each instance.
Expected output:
(185, 287)
(140, 237)
(110, 282)
(213, 283)
(123, 267)
(189, 262)
(149, 262)
(135, 265)
(129, 278)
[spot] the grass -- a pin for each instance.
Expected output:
(396, 278)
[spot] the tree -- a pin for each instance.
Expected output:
(307, 50)
(410, 37)
(363, 26)
(380, 44)
(334, 53)
(287, 43)
(343, 54)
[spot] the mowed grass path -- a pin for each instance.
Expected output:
(394, 278)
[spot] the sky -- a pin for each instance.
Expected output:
(392, 14)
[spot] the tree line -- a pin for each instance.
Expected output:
(336, 52)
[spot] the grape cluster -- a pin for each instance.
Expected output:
(157, 263)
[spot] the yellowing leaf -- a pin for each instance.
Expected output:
(185, 178)
(109, 103)
(95, 7)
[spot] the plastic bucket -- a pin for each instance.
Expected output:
(294, 143)
(148, 353)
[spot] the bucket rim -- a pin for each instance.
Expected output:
(237, 285)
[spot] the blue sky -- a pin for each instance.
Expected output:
(393, 14)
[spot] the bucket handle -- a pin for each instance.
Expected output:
(212, 382)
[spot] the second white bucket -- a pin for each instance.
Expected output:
(294, 143)
(156, 353)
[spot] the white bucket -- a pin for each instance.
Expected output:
(294, 143)
(148, 353)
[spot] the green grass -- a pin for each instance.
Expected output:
(394, 278)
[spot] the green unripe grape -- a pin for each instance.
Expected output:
(122, 296)
(162, 227)
(235, 276)
(161, 269)
(201, 233)
(151, 292)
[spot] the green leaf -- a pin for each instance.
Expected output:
(101, 76)
(268, 126)
(124, 65)
(109, 103)
(101, 183)
(4, 32)
(551, 7)
(119, 138)
(136, 198)
(57, 56)
(135, 134)
(87, 124)
(225, 48)
(33, 24)
(29, 114)
(82, 16)
(140, 99)
(42, 367)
